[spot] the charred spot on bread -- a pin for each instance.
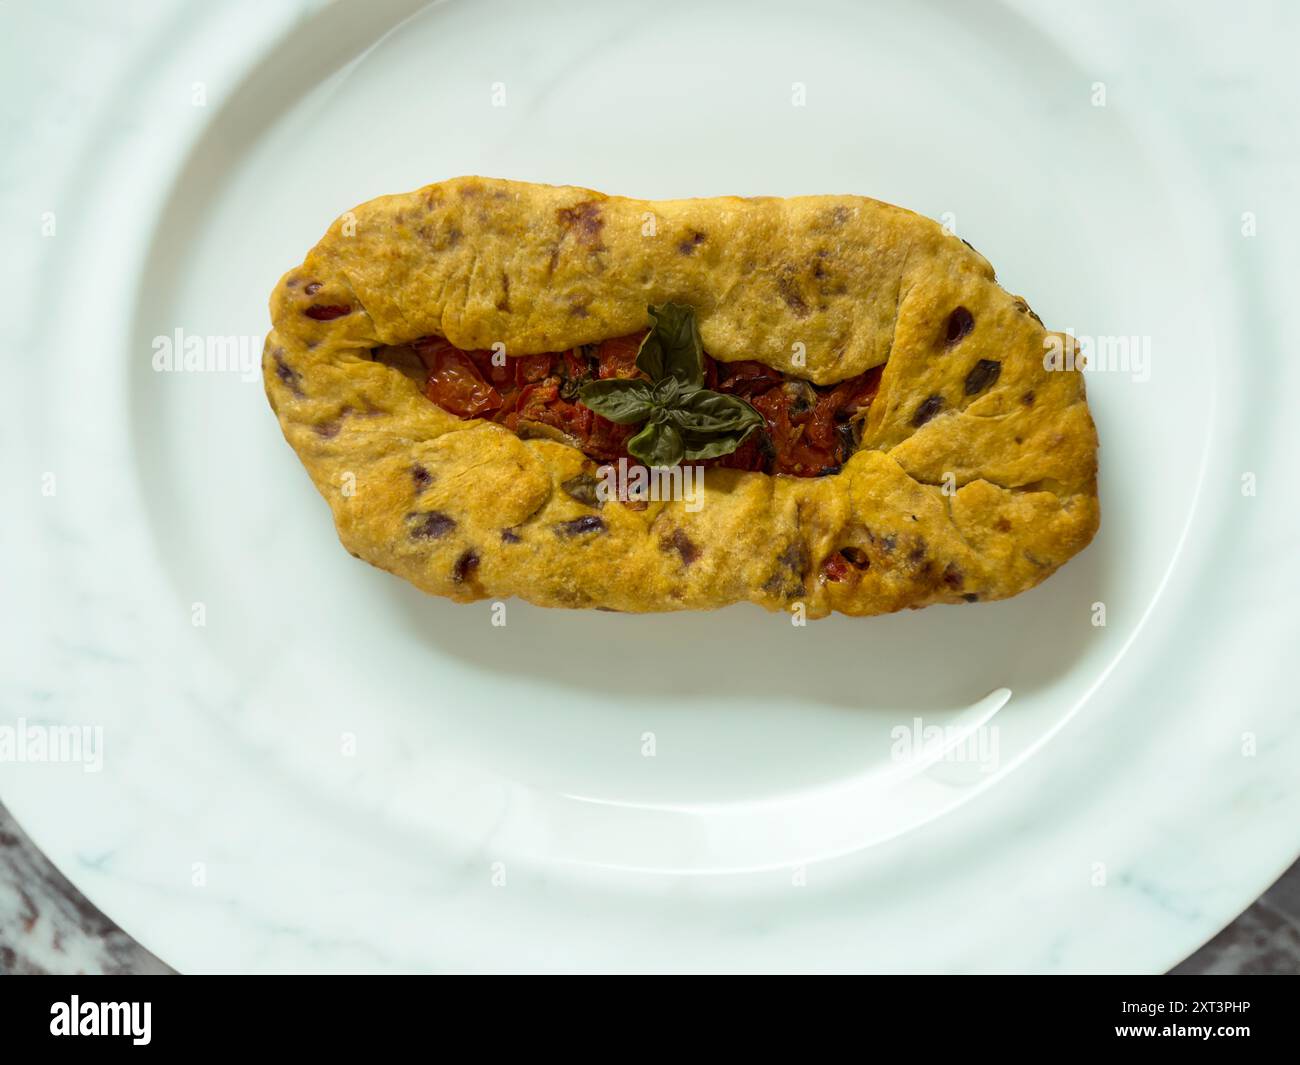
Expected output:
(959, 326)
(983, 375)
(429, 524)
(687, 550)
(327, 312)
(581, 526)
(787, 579)
(582, 487)
(585, 222)
(928, 408)
(688, 245)
(466, 564)
(286, 373)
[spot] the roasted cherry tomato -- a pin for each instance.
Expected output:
(798, 451)
(857, 393)
(576, 366)
(502, 376)
(617, 357)
(808, 429)
(749, 456)
(532, 368)
(837, 568)
(819, 428)
(711, 374)
(541, 402)
(454, 382)
(608, 441)
(846, 564)
(747, 377)
(509, 404)
(570, 418)
(535, 397)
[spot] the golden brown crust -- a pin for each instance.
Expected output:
(468, 510)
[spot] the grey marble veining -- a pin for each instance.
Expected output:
(1265, 940)
(48, 926)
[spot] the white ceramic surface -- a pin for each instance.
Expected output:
(335, 772)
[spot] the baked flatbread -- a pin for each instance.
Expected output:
(972, 477)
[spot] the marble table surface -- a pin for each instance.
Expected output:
(48, 926)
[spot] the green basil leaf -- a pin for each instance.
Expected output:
(708, 412)
(650, 356)
(683, 419)
(622, 401)
(672, 348)
(666, 392)
(697, 448)
(658, 444)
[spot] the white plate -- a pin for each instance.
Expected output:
(334, 771)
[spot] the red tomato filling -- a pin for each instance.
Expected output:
(809, 430)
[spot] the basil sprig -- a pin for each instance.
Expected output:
(683, 419)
